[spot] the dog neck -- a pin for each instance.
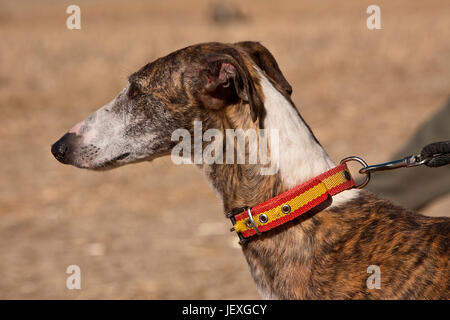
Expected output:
(297, 158)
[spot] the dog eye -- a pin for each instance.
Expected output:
(133, 91)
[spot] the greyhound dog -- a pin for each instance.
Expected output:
(326, 253)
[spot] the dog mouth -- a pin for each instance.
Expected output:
(121, 157)
(116, 162)
(109, 164)
(113, 161)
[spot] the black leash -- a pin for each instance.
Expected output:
(438, 153)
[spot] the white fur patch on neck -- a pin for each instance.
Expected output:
(300, 157)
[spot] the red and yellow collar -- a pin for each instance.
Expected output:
(292, 203)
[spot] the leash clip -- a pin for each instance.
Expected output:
(416, 160)
(406, 162)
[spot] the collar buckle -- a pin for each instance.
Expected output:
(231, 215)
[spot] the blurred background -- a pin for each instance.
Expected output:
(363, 92)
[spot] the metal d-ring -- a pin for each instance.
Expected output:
(250, 218)
(361, 161)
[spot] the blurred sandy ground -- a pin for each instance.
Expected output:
(155, 230)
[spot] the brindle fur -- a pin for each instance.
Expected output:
(322, 254)
(326, 255)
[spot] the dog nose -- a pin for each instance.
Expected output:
(61, 149)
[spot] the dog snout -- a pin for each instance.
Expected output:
(63, 148)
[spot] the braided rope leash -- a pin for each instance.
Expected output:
(438, 153)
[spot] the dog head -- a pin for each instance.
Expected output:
(200, 82)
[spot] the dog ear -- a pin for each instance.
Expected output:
(226, 80)
(266, 62)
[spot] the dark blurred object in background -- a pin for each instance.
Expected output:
(222, 12)
(416, 187)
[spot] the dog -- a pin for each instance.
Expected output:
(325, 253)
